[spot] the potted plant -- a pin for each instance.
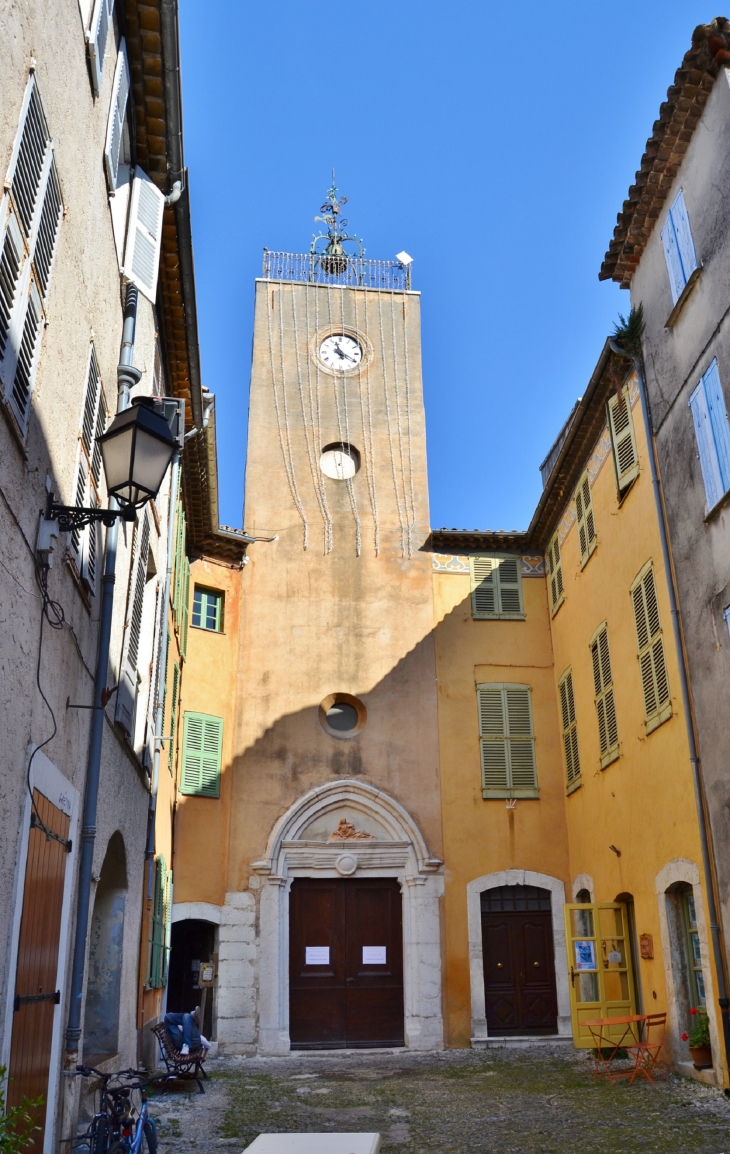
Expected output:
(699, 1039)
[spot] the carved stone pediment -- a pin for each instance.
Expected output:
(346, 831)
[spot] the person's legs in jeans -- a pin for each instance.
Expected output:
(179, 1027)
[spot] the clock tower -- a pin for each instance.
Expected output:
(335, 823)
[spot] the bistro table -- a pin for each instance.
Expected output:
(602, 1032)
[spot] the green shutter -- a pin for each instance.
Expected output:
(569, 727)
(185, 609)
(180, 550)
(586, 521)
(605, 704)
(157, 937)
(202, 751)
(654, 680)
(507, 741)
(167, 928)
(496, 587)
(173, 717)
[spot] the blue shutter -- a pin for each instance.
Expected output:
(718, 421)
(674, 263)
(683, 233)
(706, 445)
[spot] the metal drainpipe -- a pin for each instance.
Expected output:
(723, 1000)
(127, 377)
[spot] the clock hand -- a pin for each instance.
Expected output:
(343, 356)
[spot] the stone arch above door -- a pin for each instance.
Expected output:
(474, 889)
(379, 838)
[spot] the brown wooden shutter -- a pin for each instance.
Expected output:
(569, 728)
(605, 704)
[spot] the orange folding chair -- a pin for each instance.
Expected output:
(646, 1052)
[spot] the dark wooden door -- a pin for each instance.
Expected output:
(345, 963)
(519, 966)
(35, 982)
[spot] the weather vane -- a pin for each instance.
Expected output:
(333, 258)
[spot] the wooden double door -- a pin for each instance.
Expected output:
(519, 963)
(345, 963)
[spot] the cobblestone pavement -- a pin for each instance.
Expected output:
(501, 1101)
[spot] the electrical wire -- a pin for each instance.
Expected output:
(52, 613)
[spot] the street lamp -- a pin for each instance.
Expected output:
(136, 451)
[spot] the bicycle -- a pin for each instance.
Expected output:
(119, 1126)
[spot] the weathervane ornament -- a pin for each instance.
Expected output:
(333, 258)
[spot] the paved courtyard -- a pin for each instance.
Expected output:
(501, 1101)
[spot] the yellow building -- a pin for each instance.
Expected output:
(407, 753)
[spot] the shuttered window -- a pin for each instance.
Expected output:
(507, 741)
(555, 574)
(586, 521)
(712, 431)
(185, 610)
(569, 728)
(97, 36)
(85, 544)
(126, 708)
(605, 704)
(160, 924)
(30, 220)
(679, 249)
(208, 609)
(496, 587)
(113, 149)
(178, 582)
(144, 235)
(623, 439)
(202, 750)
(652, 663)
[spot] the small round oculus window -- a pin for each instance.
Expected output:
(342, 715)
(340, 352)
(339, 461)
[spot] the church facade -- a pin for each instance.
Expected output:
(435, 787)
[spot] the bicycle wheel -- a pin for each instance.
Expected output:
(149, 1140)
(101, 1136)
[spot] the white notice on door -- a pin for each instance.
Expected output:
(317, 955)
(373, 955)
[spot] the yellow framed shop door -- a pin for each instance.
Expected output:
(599, 964)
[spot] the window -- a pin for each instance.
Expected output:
(208, 609)
(623, 439)
(144, 235)
(586, 521)
(202, 750)
(713, 434)
(126, 707)
(507, 741)
(655, 684)
(569, 728)
(696, 980)
(173, 716)
(605, 705)
(555, 574)
(84, 543)
(496, 587)
(30, 220)
(101, 19)
(679, 249)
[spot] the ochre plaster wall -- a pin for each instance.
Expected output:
(643, 803)
(208, 686)
(483, 836)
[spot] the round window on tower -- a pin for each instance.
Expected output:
(342, 715)
(339, 461)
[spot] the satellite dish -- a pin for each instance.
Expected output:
(404, 258)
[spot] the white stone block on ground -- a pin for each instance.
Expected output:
(315, 1144)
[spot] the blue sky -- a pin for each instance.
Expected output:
(494, 142)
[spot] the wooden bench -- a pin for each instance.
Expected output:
(177, 1065)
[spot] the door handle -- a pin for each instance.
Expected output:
(500, 966)
(536, 965)
(349, 981)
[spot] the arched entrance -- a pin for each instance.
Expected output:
(106, 940)
(350, 830)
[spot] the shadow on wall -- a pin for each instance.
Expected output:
(101, 1022)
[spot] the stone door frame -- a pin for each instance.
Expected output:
(404, 856)
(479, 1032)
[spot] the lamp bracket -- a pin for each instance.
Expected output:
(71, 517)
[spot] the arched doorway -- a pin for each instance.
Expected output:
(518, 958)
(106, 940)
(312, 840)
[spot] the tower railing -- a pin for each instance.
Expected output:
(343, 271)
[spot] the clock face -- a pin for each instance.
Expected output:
(340, 353)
